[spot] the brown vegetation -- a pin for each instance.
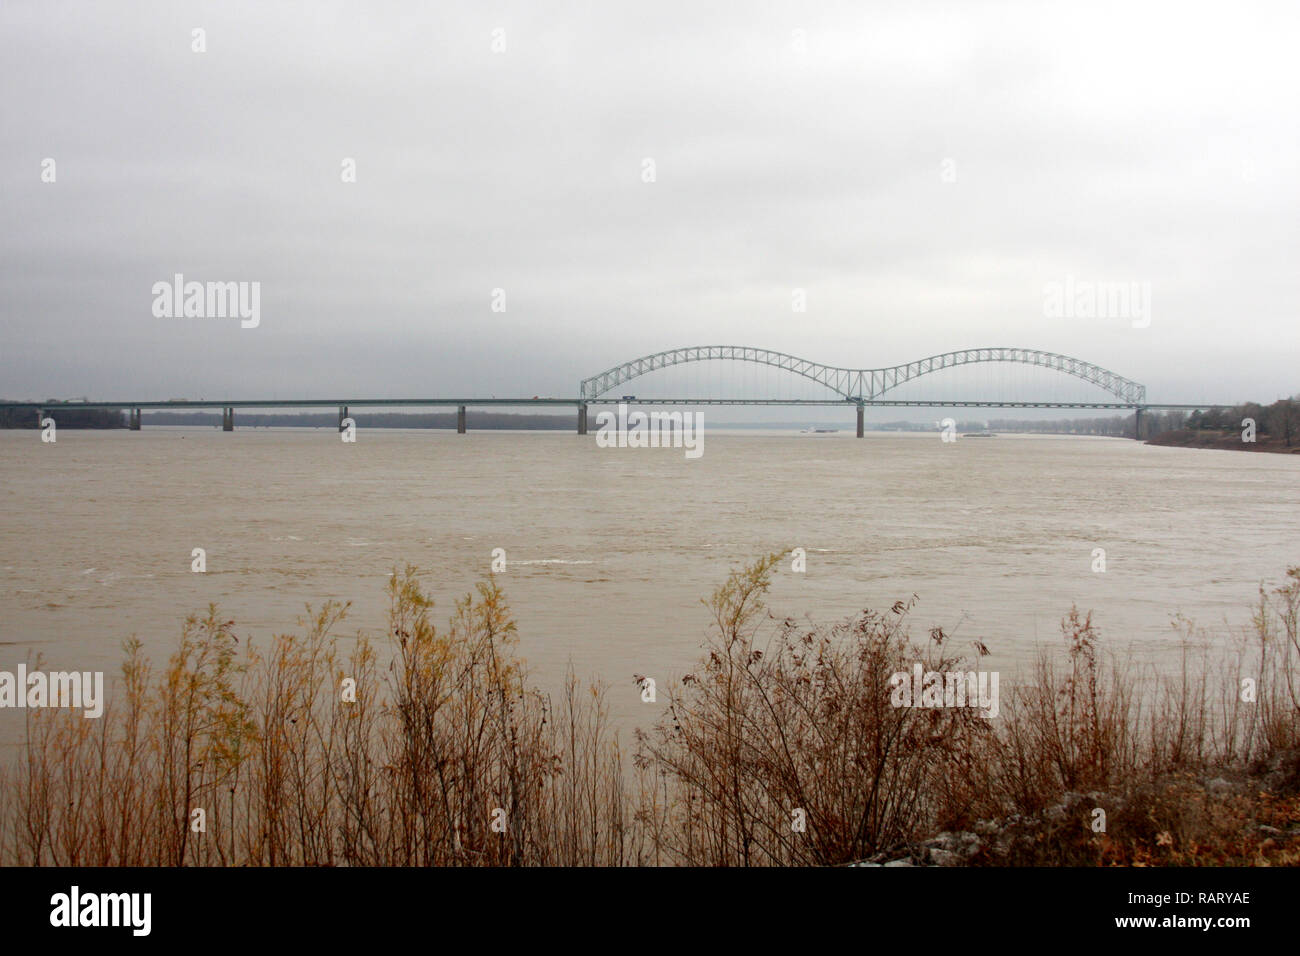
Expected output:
(447, 755)
(1276, 428)
(1225, 441)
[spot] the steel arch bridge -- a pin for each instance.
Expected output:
(864, 384)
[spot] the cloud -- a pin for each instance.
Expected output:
(1104, 143)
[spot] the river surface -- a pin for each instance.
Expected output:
(609, 550)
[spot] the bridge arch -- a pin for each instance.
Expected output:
(864, 384)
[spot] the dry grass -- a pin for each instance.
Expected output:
(434, 750)
(448, 755)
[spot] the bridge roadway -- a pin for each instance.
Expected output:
(859, 387)
(228, 406)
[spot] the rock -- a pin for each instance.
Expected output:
(963, 844)
(1282, 772)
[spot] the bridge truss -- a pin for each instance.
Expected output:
(865, 384)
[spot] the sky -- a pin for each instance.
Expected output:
(489, 198)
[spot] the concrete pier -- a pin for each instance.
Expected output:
(133, 419)
(343, 413)
(228, 419)
(861, 428)
(582, 419)
(460, 420)
(1137, 423)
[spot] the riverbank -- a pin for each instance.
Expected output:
(1225, 816)
(788, 744)
(1223, 440)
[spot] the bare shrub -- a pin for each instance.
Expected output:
(780, 718)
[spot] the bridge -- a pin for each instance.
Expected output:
(858, 387)
(866, 384)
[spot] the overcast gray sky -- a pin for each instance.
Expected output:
(922, 170)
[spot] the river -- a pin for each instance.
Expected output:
(609, 550)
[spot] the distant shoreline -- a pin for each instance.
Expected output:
(1224, 441)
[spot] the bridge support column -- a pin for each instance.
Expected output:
(582, 419)
(1137, 423)
(343, 413)
(133, 419)
(460, 420)
(861, 427)
(228, 419)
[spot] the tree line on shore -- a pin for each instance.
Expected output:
(65, 416)
(1280, 421)
(1112, 426)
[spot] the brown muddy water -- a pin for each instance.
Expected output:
(609, 550)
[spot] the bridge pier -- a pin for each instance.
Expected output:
(343, 413)
(582, 419)
(1137, 423)
(133, 419)
(861, 427)
(460, 420)
(228, 419)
